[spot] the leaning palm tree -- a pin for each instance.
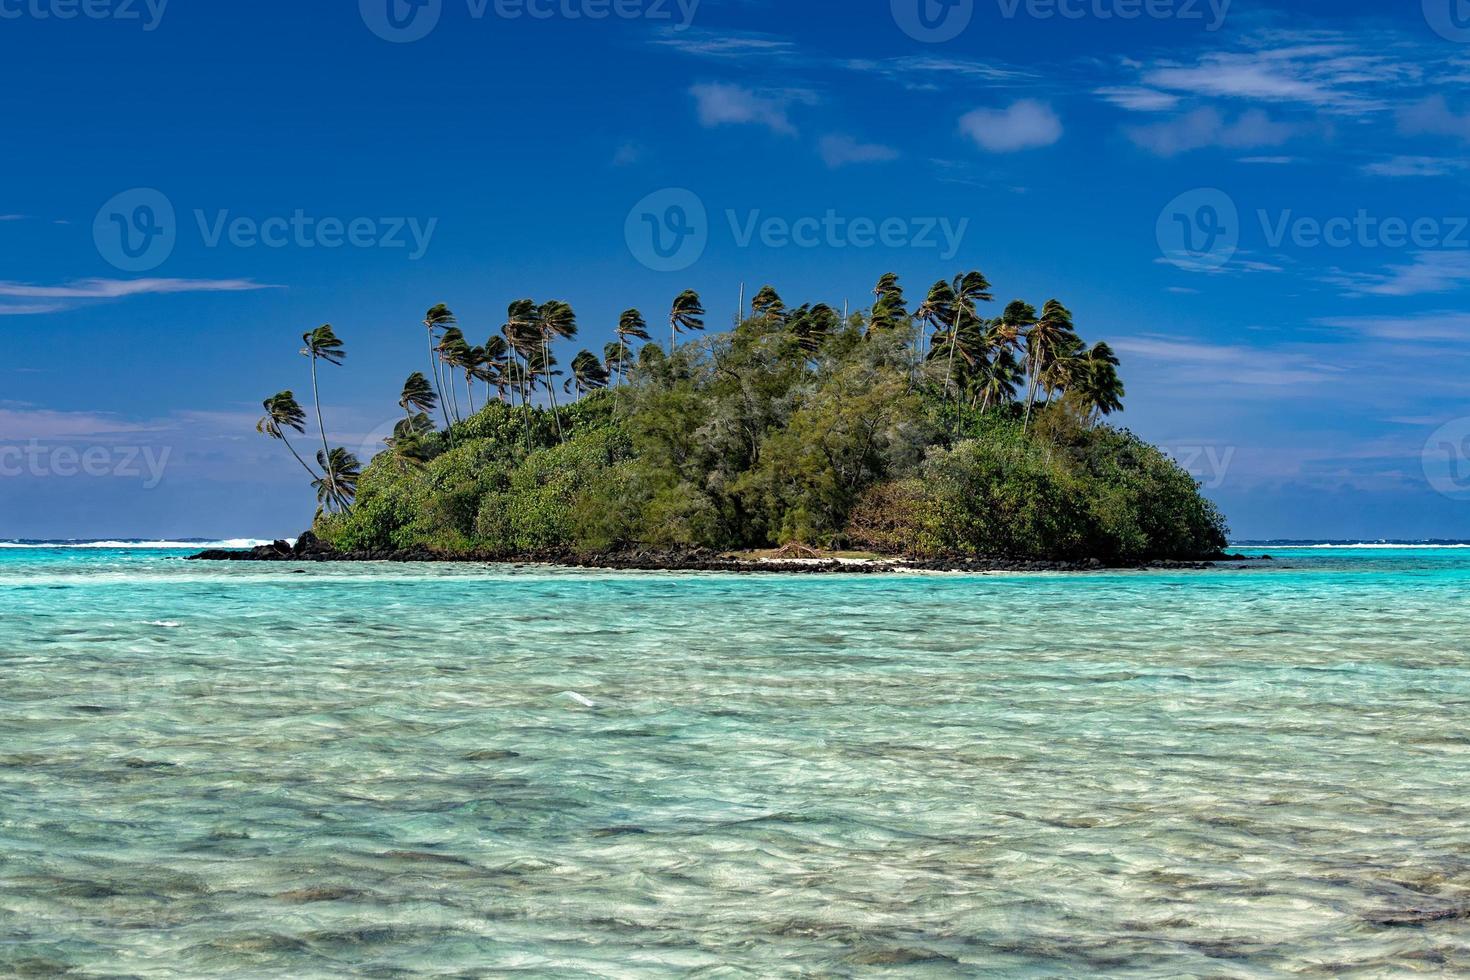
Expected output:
(969, 289)
(281, 413)
(687, 313)
(418, 395)
(937, 310)
(438, 318)
(1051, 333)
(1097, 384)
(888, 304)
(631, 326)
(409, 444)
(495, 355)
(588, 374)
(453, 351)
(322, 345)
(616, 356)
(768, 305)
(337, 486)
(554, 319)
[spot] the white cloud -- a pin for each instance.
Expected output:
(1208, 128)
(1025, 125)
(1138, 99)
(1414, 327)
(1410, 166)
(726, 44)
(839, 150)
(1195, 362)
(118, 288)
(723, 104)
(1428, 273)
(627, 154)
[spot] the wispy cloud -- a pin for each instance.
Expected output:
(1418, 327)
(1024, 125)
(118, 288)
(726, 44)
(839, 150)
(1411, 166)
(1204, 128)
(1139, 99)
(1195, 361)
(929, 72)
(1427, 274)
(723, 104)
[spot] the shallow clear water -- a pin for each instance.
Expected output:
(319, 771)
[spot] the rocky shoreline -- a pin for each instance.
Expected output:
(309, 549)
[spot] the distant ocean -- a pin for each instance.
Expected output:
(329, 770)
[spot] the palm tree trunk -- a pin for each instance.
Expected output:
(470, 392)
(321, 426)
(439, 387)
(551, 387)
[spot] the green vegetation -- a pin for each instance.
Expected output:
(932, 432)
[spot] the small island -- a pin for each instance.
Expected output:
(933, 436)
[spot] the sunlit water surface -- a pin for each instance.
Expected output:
(390, 771)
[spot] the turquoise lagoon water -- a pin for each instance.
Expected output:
(466, 771)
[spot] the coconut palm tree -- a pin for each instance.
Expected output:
(337, 486)
(1050, 335)
(970, 288)
(937, 310)
(438, 318)
(418, 395)
(888, 311)
(1097, 385)
(767, 305)
(997, 380)
(554, 319)
(631, 325)
(322, 345)
(687, 313)
(495, 355)
(616, 356)
(588, 374)
(408, 444)
(281, 413)
(453, 351)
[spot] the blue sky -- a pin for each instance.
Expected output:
(1263, 208)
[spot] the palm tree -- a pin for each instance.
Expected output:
(281, 413)
(588, 374)
(812, 326)
(496, 355)
(767, 305)
(888, 304)
(936, 311)
(630, 325)
(407, 444)
(997, 380)
(687, 314)
(338, 483)
(554, 319)
(616, 356)
(418, 395)
(322, 344)
(1049, 335)
(969, 289)
(453, 351)
(1097, 384)
(438, 318)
